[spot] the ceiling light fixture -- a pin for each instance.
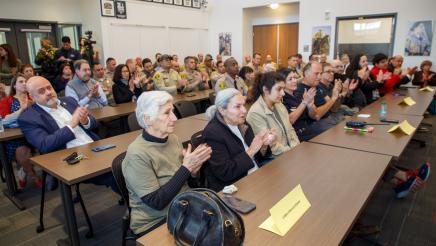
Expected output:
(274, 5)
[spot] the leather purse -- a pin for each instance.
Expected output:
(199, 217)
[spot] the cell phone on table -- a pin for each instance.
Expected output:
(242, 206)
(103, 147)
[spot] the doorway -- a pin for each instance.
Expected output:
(278, 40)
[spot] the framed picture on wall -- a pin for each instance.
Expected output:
(120, 9)
(178, 2)
(196, 4)
(225, 43)
(419, 38)
(187, 3)
(168, 1)
(158, 1)
(107, 8)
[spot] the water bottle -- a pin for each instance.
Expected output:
(383, 111)
(2, 129)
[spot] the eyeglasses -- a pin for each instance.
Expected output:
(329, 71)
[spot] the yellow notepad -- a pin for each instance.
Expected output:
(427, 88)
(404, 127)
(286, 212)
(407, 101)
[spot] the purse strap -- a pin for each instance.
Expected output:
(204, 225)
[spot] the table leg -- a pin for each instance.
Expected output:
(70, 216)
(12, 190)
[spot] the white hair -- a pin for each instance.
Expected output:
(269, 68)
(221, 101)
(148, 104)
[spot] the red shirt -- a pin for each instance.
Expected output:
(388, 85)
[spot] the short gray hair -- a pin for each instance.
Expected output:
(78, 64)
(148, 104)
(221, 101)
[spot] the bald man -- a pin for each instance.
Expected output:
(53, 123)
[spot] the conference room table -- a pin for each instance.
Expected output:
(379, 141)
(392, 100)
(96, 164)
(107, 113)
(336, 181)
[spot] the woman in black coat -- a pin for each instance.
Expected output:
(425, 77)
(125, 87)
(236, 151)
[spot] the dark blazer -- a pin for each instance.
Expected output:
(123, 94)
(42, 131)
(417, 79)
(229, 162)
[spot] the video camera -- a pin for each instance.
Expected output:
(88, 40)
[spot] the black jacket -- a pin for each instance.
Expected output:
(123, 94)
(229, 161)
(418, 80)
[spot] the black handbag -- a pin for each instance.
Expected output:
(199, 217)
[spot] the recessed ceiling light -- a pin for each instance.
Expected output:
(274, 5)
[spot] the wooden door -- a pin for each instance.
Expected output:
(288, 42)
(265, 41)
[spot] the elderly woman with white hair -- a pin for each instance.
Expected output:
(156, 168)
(236, 151)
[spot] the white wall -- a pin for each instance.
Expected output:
(287, 13)
(91, 20)
(407, 11)
(63, 11)
(151, 28)
(227, 16)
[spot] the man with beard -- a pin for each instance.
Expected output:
(52, 124)
(84, 89)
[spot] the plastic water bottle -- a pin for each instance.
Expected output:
(383, 111)
(2, 129)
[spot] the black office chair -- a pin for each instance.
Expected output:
(40, 228)
(185, 109)
(119, 178)
(200, 181)
(212, 97)
(196, 139)
(133, 122)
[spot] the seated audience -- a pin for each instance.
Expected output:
(294, 107)
(156, 168)
(247, 60)
(85, 89)
(19, 150)
(175, 66)
(27, 70)
(52, 124)
(300, 64)
(268, 112)
(220, 72)
(194, 78)
(125, 88)
(64, 76)
(247, 74)
(236, 151)
(381, 72)
(9, 64)
(345, 59)
(255, 63)
(401, 76)
(166, 79)
(156, 64)
(293, 65)
(103, 80)
(315, 118)
(148, 68)
(269, 63)
(111, 63)
(425, 76)
(231, 78)
(322, 58)
(368, 84)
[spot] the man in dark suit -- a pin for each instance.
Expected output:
(52, 124)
